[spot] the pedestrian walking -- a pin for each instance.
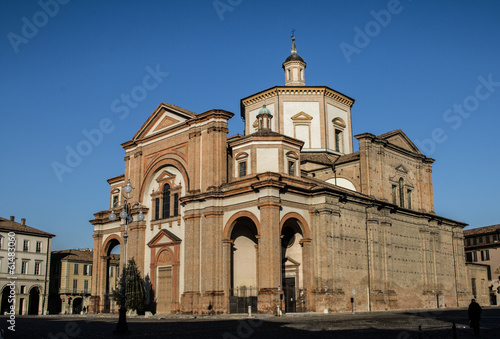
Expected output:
(474, 316)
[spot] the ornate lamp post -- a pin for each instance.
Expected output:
(125, 214)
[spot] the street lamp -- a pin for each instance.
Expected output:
(125, 214)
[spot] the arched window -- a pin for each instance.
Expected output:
(401, 192)
(166, 201)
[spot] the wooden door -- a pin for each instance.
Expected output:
(164, 300)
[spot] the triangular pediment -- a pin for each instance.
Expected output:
(164, 237)
(165, 116)
(401, 168)
(302, 116)
(165, 176)
(400, 139)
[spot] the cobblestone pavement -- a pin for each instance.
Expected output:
(386, 325)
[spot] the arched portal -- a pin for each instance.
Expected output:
(77, 305)
(5, 307)
(34, 301)
(112, 272)
(243, 292)
(292, 265)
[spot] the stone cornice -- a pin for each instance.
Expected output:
(295, 90)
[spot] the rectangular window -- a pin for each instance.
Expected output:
(157, 208)
(394, 194)
(90, 269)
(176, 204)
(1, 242)
(291, 167)
(26, 246)
(408, 195)
(85, 269)
(24, 267)
(338, 140)
(86, 286)
(468, 256)
(111, 272)
(38, 247)
(75, 285)
(242, 168)
(115, 201)
(474, 255)
(485, 255)
(38, 266)
(23, 289)
(475, 241)
(75, 269)
(480, 240)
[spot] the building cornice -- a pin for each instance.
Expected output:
(295, 90)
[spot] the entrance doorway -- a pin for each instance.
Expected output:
(165, 283)
(34, 300)
(77, 305)
(289, 291)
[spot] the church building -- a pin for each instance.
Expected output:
(285, 216)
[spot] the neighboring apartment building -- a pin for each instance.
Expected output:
(482, 246)
(70, 282)
(25, 279)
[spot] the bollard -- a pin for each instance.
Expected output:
(420, 333)
(454, 331)
(249, 311)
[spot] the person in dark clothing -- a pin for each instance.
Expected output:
(474, 316)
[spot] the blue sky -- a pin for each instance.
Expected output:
(430, 68)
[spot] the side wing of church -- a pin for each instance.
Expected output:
(286, 215)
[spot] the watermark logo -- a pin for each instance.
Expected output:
(363, 37)
(222, 7)
(11, 298)
(245, 329)
(94, 137)
(30, 28)
(455, 115)
(71, 330)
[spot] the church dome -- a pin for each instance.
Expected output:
(294, 57)
(264, 110)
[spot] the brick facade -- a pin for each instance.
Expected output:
(268, 216)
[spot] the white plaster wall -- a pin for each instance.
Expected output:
(267, 160)
(335, 112)
(175, 229)
(290, 108)
(245, 262)
(342, 182)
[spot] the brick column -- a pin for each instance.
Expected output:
(269, 262)
(226, 271)
(190, 297)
